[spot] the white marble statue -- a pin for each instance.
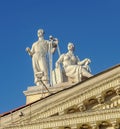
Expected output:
(38, 52)
(73, 67)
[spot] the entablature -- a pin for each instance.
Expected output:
(70, 100)
(91, 119)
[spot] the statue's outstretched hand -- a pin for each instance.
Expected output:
(27, 49)
(88, 61)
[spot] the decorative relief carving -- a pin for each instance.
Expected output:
(94, 125)
(73, 119)
(84, 126)
(92, 101)
(100, 99)
(113, 103)
(104, 123)
(62, 113)
(72, 110)
(117, 89)
(67, 127)
(109, 92)
(115, 124)
(82, 107)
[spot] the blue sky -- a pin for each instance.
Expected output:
(92, 25)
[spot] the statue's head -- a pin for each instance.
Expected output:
(71, 46)
(40, 32)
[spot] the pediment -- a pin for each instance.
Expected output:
(96, 93)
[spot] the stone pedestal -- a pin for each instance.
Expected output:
(34, 93)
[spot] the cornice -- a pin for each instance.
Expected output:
(72, 119)
(78, 96)
(66, 98)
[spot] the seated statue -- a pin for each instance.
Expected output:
(73, 68)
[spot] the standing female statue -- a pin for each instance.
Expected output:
(38, 52)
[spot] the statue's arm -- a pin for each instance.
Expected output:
(60, 60)
(86, 61)
(29, 51)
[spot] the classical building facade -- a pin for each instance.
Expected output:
(90, 104)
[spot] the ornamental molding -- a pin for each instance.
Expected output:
(78, 96)
(62, 105)
(69, 120)
(60, 108)
(69, 97)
